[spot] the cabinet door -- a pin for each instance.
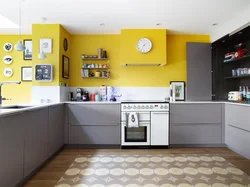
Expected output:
(238, 116)
(196, 113)
(11, 149)
(199, 66)
(36, 139)
(94, 114)
(93, 134)
(56, 128)
(159, 128)
(195, 133)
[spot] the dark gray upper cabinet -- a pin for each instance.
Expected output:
(94, 114)
(56, 128)
(36, 139)
(11, 149)
(199, 67)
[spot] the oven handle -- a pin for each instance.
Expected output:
(141, 124)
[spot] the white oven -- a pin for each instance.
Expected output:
(153, 119)
(136, 136)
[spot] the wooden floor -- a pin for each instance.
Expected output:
(56, 167)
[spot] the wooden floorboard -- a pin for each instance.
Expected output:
(50, 173)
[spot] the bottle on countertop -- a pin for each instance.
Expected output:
(244, 95)
(248, 94)
(240, 94)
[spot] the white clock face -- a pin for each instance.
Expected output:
(144, 45)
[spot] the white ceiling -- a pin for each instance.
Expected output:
(85, 16)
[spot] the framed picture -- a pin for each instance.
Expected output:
(65, 67)
(26, 73)
(27, 54)
(179, 90)
(45, 45)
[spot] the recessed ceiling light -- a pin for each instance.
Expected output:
(215, 24)
(158, 24)
(223, 41)
(6, 23)
(102, 24)
(240, 32)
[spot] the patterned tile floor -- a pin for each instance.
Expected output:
(158, 170)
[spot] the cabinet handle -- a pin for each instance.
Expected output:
(160, 112)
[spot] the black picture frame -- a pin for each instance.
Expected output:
(65, 67)
(183, 90)
(24, 76)
(27, 54)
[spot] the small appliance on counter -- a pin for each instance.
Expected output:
(71, 96)
(85, 96)
(79, 93)
(233, 95)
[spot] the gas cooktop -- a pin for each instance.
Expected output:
(144, 101)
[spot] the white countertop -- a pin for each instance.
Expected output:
(4, 112)
(211, 102)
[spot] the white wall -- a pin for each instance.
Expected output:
(231, 25)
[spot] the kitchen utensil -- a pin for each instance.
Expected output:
(104, 74)
(98, 97)
(71, 96)
(105, 54)
(233, 95)
(234, 72)
(97, 74)
(245, 71)
(103, 92)
(92, 97)
(85, 96)
(99, 52)
(79, 93)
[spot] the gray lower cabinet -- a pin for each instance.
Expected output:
(11, 149)
(94, 114)
(94, 134)
(91, 124)
(36, 139)
(196, 124)
(56, 128)
(237, 122)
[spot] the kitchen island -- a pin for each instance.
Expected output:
(30, 136)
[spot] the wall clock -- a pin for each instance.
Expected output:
(144, 45)
(65, 44)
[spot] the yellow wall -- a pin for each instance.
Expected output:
(129, 53)
(130, 76)
(64, 34)
(47, 31)
(18, 93)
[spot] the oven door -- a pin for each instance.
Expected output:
(136, 136)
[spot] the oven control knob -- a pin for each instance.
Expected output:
(134, 107)
(166, 107)
(151, 107)
(147, 107)
(138, 107)
(124, 107)
(142, 106)
(161, 106)
(129, 107)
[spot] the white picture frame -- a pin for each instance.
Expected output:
(45, 45)
(26, 73)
